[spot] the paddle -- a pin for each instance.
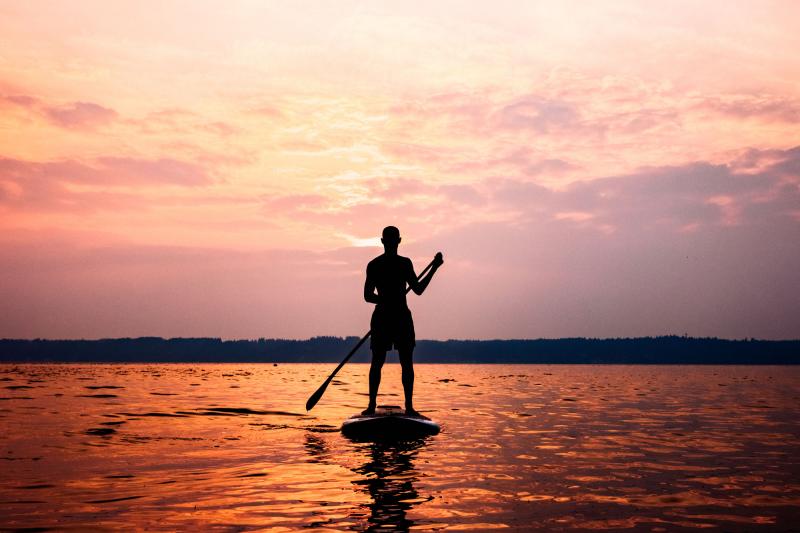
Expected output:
(312, 401)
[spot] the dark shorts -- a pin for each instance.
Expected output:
(392, 328)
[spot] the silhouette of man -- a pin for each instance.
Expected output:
(391, 324)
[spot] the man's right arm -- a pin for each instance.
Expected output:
(369, 289)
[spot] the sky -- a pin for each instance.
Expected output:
(224, 169)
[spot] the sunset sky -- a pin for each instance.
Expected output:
(224, 169)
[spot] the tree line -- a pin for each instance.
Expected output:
(640, 350)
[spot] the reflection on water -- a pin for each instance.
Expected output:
(387, 476)
(389, 479)
(554, 448)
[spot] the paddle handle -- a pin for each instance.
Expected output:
(312, 401)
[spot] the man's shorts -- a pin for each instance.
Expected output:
(392, 328)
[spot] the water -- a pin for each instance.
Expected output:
(559, 448)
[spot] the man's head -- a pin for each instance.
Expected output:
(390, 237)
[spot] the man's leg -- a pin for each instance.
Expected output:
(408, 377)
(378, 358)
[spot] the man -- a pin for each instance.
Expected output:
(391, 324)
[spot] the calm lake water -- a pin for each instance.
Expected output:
(548, 447)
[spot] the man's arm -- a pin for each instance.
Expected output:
(419, 286)
(369, 289)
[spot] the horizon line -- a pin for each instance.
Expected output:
(496, 339)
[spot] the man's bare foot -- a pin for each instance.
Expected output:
(410, 411)
(368, 411)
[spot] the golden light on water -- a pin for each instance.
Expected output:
(174, 446)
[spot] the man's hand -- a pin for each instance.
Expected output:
(438, 260)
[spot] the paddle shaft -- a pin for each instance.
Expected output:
(312, 401)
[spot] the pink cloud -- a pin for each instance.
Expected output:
(20, 100)
(479, 114)
(463, 194)
(80, 115)
(538, 114)
(521, 162)
(398, 188)
(518, 193)
(268, 111)
(122, 171)
(179, 122)
(764, 107)
(221, 128)
(670, 197)
(645, 253)
(411, 190)
(130, 170)
(417, 152)
(662, 197)
(42, 185)
(459, 109)
(75, 115)
(291, 203)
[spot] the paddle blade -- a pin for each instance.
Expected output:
(312, 401)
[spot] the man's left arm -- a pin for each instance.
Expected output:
(419, 286)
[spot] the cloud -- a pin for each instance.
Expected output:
(417, 152)
(114, 171)
(537, 114)
(180, 122)
(550, 166)
(291, 203)
(464, 194)
(583, 110)
(520, 162)
(80, 115)
(46, 185)
(699, 248)
(74, 115)
(482, 112)
(268, 111)
(20, 100)
(135, 171)
(399, 196)
(220, 128)
(565, 128)
(789, 165)
(396, 189)
(673, 197)
(518, 194)
(769, 108)
(707, 249)
(90, 116)
(459, 110)
(670, 198)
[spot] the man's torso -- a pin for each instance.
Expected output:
(389, 274)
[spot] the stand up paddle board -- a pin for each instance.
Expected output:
(389, 422)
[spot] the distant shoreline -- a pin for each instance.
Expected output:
(670, 350)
